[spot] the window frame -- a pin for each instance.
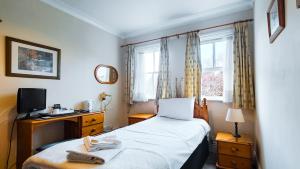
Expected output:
(213, 41)
(154, 72)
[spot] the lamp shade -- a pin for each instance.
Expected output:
(235, 115)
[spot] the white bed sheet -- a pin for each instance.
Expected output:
(157, 143)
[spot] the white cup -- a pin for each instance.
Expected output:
(88, 105)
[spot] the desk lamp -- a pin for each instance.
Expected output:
(102, 98)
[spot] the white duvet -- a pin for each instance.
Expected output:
(157, 143)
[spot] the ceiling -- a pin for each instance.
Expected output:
(129, 18)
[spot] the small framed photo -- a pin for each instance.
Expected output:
(31, 60)
(276, 19)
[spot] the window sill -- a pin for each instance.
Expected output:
(213, 98)
(146, 101)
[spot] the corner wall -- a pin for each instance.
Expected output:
(83, 47)
(277, 89)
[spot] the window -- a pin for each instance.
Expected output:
(217, 67)
(147, 68)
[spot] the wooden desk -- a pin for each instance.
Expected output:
(75, 126)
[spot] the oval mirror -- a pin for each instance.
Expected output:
(105, 74)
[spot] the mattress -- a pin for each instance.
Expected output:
(157, 143)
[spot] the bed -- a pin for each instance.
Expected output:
(157, 143)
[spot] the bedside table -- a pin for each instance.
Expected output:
(135, 118)
(234, 153)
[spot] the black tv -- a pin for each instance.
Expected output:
(30, 100)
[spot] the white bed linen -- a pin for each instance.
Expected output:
(157, 143)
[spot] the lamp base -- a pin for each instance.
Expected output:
(236, 134)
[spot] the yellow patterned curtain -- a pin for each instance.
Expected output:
(243, 90)
(192, 80)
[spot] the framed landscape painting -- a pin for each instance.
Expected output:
(276, 19)
(31, 60)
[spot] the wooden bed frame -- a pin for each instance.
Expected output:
(201, 111)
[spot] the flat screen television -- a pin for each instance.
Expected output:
(30, 100)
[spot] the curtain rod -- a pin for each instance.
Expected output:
(178, 34)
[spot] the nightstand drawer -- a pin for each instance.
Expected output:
(241, 150)
(92, 119)
(92, 130)
(234, 162)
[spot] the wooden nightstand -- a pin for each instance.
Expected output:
(135, 118)
(234, 153)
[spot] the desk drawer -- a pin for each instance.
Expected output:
(234, 162)
(92, 130)
(240, 150)
(92, 119)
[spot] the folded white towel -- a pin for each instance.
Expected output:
(79, 157)
(92, 144)
(99, 157)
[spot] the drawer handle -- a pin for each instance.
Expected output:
(233, 162)
(93, 130)
(233, 149)
(92, 120)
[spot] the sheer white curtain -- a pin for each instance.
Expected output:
(228, 71)
(139, 82)
(146, 72)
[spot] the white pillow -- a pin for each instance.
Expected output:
(177, 108)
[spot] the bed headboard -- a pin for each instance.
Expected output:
(200, 110)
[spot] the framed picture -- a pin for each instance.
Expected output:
(31, 60)
(276, 19)
(298, 3)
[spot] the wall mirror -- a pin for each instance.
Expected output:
(105, 74)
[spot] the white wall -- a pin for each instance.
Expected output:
(277, 89)
(177, 46)
(83, 47)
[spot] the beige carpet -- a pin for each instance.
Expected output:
(211, 161)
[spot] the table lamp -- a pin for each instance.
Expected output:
(236, 116)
